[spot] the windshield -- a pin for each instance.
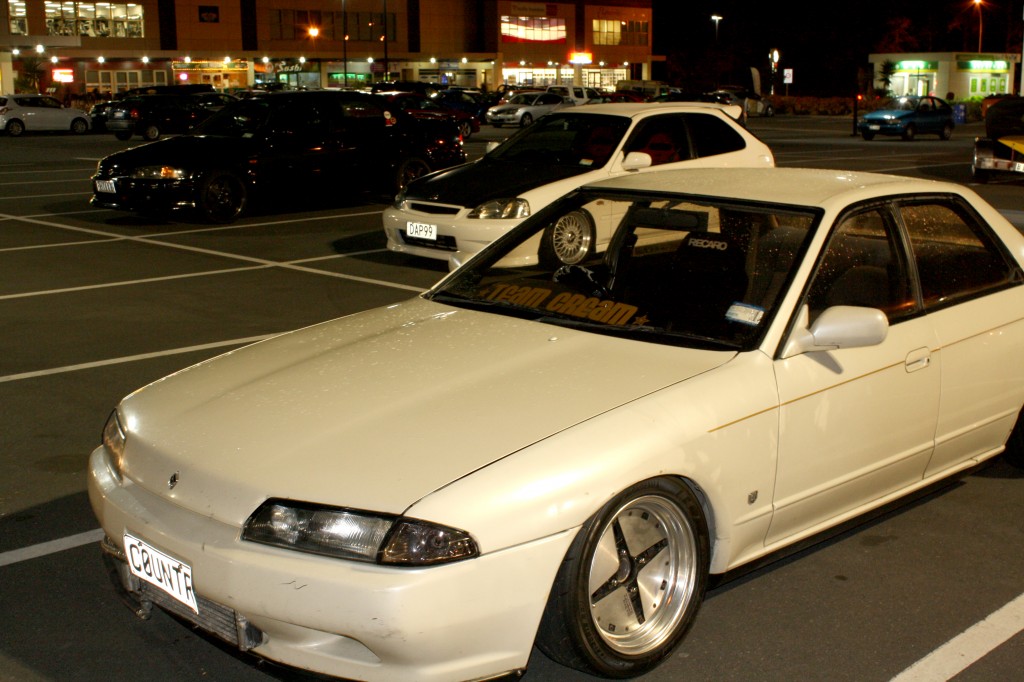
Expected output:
(565, 140)
(903, 104)
(238, 119)
(678, 270)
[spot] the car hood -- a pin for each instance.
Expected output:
(188, 151)
(473, 183)
(888, 113)
(377, 410)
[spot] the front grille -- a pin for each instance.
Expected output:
(442, 243)
(435, 209)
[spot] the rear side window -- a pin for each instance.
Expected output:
(956, 257)
(711, 135)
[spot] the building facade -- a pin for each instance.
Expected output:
(105, 48)
(966, 75)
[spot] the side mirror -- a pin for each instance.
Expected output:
(841, 326)
(634, 161)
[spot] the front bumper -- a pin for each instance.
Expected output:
(144, 196)
(456, 233)
(468, 620)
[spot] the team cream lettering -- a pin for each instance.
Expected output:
(566, 303)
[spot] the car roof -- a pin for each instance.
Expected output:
(793, 186)
(638, 109)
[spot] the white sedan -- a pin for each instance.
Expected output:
(26, 112)
(563, 454)
(452, 214)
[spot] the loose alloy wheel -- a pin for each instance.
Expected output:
(569, 240)
(631, 583)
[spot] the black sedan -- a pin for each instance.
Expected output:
(277, 144)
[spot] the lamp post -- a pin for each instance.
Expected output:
(977, 3)
(344, 39)
(716, 18)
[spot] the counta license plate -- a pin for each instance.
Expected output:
(421, 230)
(160, 570)
(106, 186)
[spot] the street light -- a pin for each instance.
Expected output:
(977, 3)
(716, 18)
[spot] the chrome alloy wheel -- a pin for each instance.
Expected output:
(571, 238)
(643, 575)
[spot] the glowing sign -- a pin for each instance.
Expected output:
(581, 58)
(63, 76)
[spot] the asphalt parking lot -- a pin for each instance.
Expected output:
(96, 303)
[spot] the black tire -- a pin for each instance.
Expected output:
(79, 126)
(466, 130)
(946, 132)
(910, 132)
(525, 121)
(150, 132)
(123, 135)
(497, 125)
(408, 170)
(1014, 453)
(15, 128)
(980, 175)
(569, 240)
(867, 135)
(631, 583)
(223, 197)
(769, 111)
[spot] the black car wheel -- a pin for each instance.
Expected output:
(569, 240)
(1014, 453)
(79, 126)
(408, 170)
(150, 132)
(910, 132)
(466, 130)
(15, 128)
(222, 197)
(525, 120)
(123, 135)
(631, 583)
(867, 135)
(947, 132)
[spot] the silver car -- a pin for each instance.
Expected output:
(524, 108)
(19, 113)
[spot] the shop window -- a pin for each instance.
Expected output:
(19, 18)
(616, 32)
(94, 20)
(532, 30)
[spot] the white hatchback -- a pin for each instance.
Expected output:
(19, 113)
(452, 214)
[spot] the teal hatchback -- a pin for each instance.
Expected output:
(908, 117)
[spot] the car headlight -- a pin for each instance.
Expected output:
(159, 173)
(113, 439)
(357, 535)
(501, 208)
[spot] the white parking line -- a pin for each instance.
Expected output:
(133, 358)
(970, 646)
(51, 547)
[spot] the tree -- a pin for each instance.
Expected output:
(885, 73)
(29, 75)
(899, 37)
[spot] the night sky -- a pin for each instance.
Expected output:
(825, 43)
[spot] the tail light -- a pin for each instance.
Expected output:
(134, 114)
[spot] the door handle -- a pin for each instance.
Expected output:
(918, 358)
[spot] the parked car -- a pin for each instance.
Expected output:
(423, 106)
(617, 97)
(213, 101)
(1002, 148)
(567, 455)
(908, 117)
(150, 116)
(98, 116)
(282, 144)
(574, 93)
(524, 108)
(466, 100)
(753, 104)
(21, 113)
(453, 214)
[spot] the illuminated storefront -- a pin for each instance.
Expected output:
(966, 75)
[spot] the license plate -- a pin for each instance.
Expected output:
(1019, 167)
(106, 186)
(163, 572)
(421, 230)
(876, 127)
